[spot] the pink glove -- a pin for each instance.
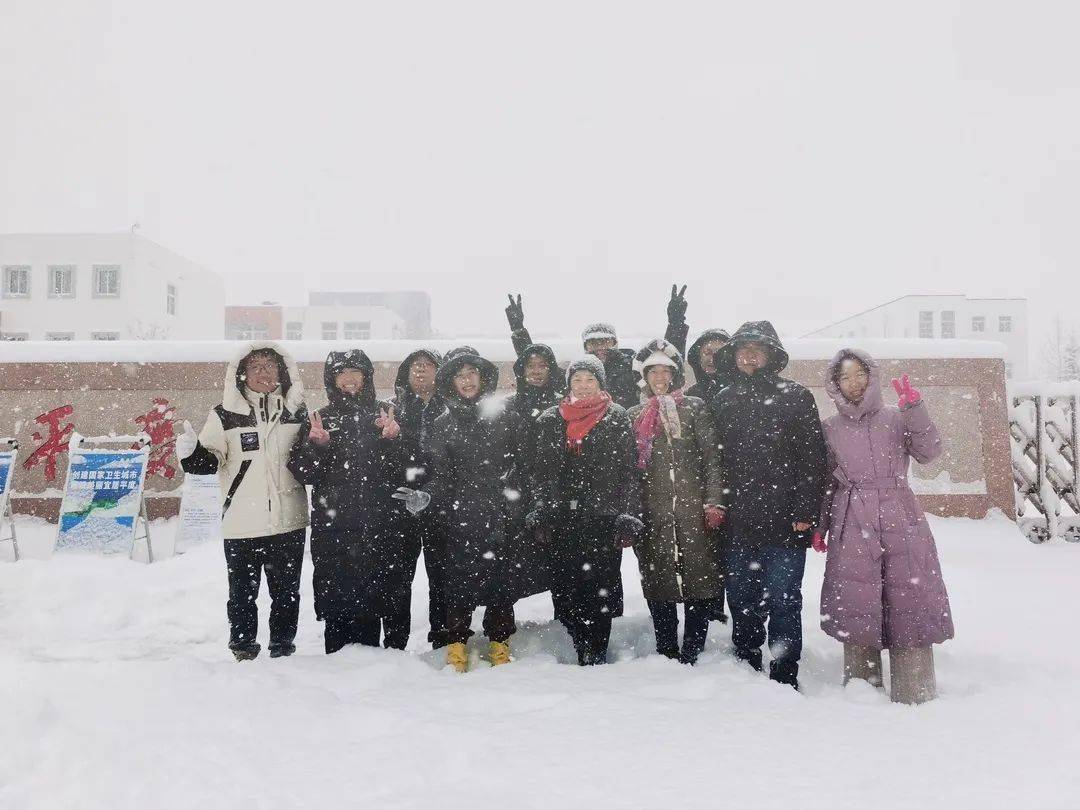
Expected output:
(908, 395)
(715, 516)
(818, 543)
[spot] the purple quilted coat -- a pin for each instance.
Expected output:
(883, 585)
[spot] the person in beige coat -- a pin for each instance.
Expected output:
(682, 499)
(246, 441)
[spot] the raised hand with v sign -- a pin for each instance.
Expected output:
(318, 434)
(391, 429)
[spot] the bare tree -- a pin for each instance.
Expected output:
(1061, 353)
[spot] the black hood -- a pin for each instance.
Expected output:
(401, 381)
(337, 362)
(465, 356)
(284, 378)
(537, 350)
(693, 354)
(753, 332)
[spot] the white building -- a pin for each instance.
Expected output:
(342, 323)
(104, 287)
(944, 317)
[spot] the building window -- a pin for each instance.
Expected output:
(294, 330)
(104, 335)
(59, 335)
(106, 280)
(250, 331)
(1005, 323)
(948, 323)
(926, 324)
(17, 281)
(358, 330)
(61, 281)
(329, 330)
(978, 323)
(170, 299)
(14, 336)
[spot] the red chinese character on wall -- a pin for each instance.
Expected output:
(55, 443)
(158, 425)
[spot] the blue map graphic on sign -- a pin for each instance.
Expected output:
(102, 500)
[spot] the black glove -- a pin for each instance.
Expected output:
(627, 528)
(532, 519)
(676, 307)
(515, 314)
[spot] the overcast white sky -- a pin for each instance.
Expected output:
(792, 160)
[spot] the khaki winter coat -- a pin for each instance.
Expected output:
(246, 441)
(678, 557)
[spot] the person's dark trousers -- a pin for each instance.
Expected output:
(396, 627)
(281, 556)
(434, 544)
(590, 637)
(665, 616)
(498, 622)
(339, 631)
(764, 583)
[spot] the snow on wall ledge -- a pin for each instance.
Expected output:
(307, 351)
(48, 389)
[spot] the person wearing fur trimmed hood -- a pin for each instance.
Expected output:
(682, 499)
(475, 447)
(774, 461)
(599, 340)
(351, 454)
(587, 505)
(418, 403)
(883, 586)
(246, 441)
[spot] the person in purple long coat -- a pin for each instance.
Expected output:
(883, 587)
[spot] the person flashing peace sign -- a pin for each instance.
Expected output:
(350, 454)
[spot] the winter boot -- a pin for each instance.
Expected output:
(785, 672)
(752, 657)
(249, 652)
(457, 656)
(498, 653)
(282, 650)
(864, 664)
(912, 675)
(669, 652)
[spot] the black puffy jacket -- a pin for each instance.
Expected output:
(770, 437)
(356, 548)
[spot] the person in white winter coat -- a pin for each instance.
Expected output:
(246, 441)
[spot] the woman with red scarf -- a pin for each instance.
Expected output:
(586, 505)
(682, 498)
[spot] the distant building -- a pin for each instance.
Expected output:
(104, 286)
(335, 316)
(944, 317)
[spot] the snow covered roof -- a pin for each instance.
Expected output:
(304, 351)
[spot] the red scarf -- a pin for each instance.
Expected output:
(581, 417)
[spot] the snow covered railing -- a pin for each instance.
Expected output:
(1045, 434)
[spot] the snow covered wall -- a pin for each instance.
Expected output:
(49, 389)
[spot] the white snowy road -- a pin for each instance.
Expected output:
(117, 691)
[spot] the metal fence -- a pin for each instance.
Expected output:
(1043, 422)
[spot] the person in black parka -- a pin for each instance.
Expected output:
(476, 447)
(351, 455)
(417, 404)
(587, 499)
(774, 460)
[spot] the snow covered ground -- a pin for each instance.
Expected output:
(117, 691)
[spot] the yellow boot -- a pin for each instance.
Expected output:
(457, 657)
(498, 653)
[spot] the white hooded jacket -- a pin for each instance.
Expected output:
(246, 441)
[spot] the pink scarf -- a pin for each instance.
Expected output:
(658, 414)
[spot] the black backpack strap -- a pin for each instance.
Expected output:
(235, 485)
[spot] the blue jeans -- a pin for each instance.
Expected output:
(765, 583)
